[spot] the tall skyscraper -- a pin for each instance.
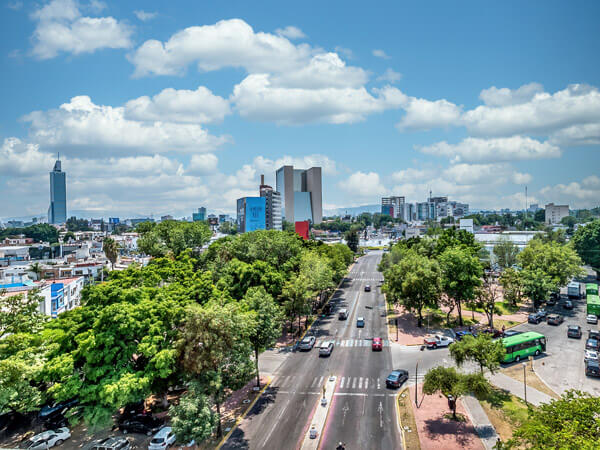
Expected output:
(200, 215)
(301, 194)
(57, 211)
(272, 206)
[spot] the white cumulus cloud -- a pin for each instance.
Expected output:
(363, 184)
(144, 16)
(380, 54)
(291, 32)
(62, 28)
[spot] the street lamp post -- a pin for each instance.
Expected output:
(525, 380)
(416, 385)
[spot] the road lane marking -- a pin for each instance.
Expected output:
(378, 385)
(342, 382)
(313, 384)
(320, 381)
(360, 383)
(354, 383)
(366, 383)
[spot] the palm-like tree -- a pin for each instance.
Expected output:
(37, 269)
(111, 250)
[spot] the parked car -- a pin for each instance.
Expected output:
(592, 368)
(555, 319)
(551, 301)
(343, 314)
(492, 331)
(360, 322)
(543, 313)
(367, 288)
(509, 333)
(396, 378)
(438, 341)
(147, 425)
(591, 318)
(594, 334)
(591, 344)
(568, 304)
(461, 334)
(535, 318)
(163, 439)
(574, 331)
(57, 408)
(111, 443)
(377, 344)
(590, 354)
(47, 439)
(326, 348)
(307, 343)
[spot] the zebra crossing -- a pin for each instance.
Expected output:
(298, 384)
(351, 342)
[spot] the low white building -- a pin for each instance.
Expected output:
(466, 224)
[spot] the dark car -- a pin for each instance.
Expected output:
(57, 408)
(461, 334)
(574, 331)
(535, 318)
(568, 304)
(492, 332)
(591, 344)
(368, 288)
(592, 368)
(555, 319)
(594, 334)
(396, 378)
(142, 424)
(509, 333)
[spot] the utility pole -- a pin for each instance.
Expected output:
(525, 381)
(416, 386)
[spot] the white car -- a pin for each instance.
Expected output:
(163, 439)
(591, 318)
(438, 341)
(590, 354)
(46, 439)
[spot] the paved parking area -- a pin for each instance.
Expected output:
(562, 366)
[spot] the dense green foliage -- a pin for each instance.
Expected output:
(75, 224)
(571, 422)
(172, 237)
(137, 334)
(482, 350)
(41, 232)
(586, 242)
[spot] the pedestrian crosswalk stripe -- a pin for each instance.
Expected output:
(378, 385)
(342, 382)
(314, 382)
(366, 383)
(320, 381)
(360, 383)
(354, 383)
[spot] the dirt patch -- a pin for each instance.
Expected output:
(407, 419)
(516, 372)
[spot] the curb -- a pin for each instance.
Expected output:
(398, 418)
(243, 415)
(327, 416)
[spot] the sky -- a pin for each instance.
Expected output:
(163, 107)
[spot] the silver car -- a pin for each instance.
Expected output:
(163, 439)
(307, 343)
(46, 439)
(326, 348)
(591, 318)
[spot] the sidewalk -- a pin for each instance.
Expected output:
(408, 333)
(481, 422)
(515, 387)
(436, 432)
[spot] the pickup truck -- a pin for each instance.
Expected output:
(438, 341)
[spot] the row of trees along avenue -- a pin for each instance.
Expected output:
(451, 269)
(191, 318)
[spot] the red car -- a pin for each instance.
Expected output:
(377, 344)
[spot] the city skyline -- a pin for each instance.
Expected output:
(143, 127)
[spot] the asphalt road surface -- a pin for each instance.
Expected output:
(362, 413)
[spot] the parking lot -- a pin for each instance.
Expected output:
(562, 366)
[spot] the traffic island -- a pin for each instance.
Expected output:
(313, 436)
(406, 421)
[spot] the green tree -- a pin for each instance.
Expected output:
(586, 242)
(295, 295)
(192, 418)
(506, 252)
(449, 381)
(481, 350)
(415, 282)
(36, 268)
(75, 224)
(20, 313)
(571, 422)
(266, 321)
(452, 237)
(352, 240)
(546, 267)
(512, 286)
(111, 250)
(461, 275)
(228, 228)
(215, 350)
(69, 235)
(486, 296)
(540, 216)
(569, 221)
(174, 237)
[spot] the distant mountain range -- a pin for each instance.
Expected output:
(353, 211)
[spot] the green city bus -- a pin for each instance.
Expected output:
(593, 304)
(520, 346)
(591, 288)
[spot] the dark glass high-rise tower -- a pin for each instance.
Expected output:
(57, 211)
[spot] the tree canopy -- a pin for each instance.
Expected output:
(173, 237)
(586, 242)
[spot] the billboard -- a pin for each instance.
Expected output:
(302, 229)
(255, 214)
